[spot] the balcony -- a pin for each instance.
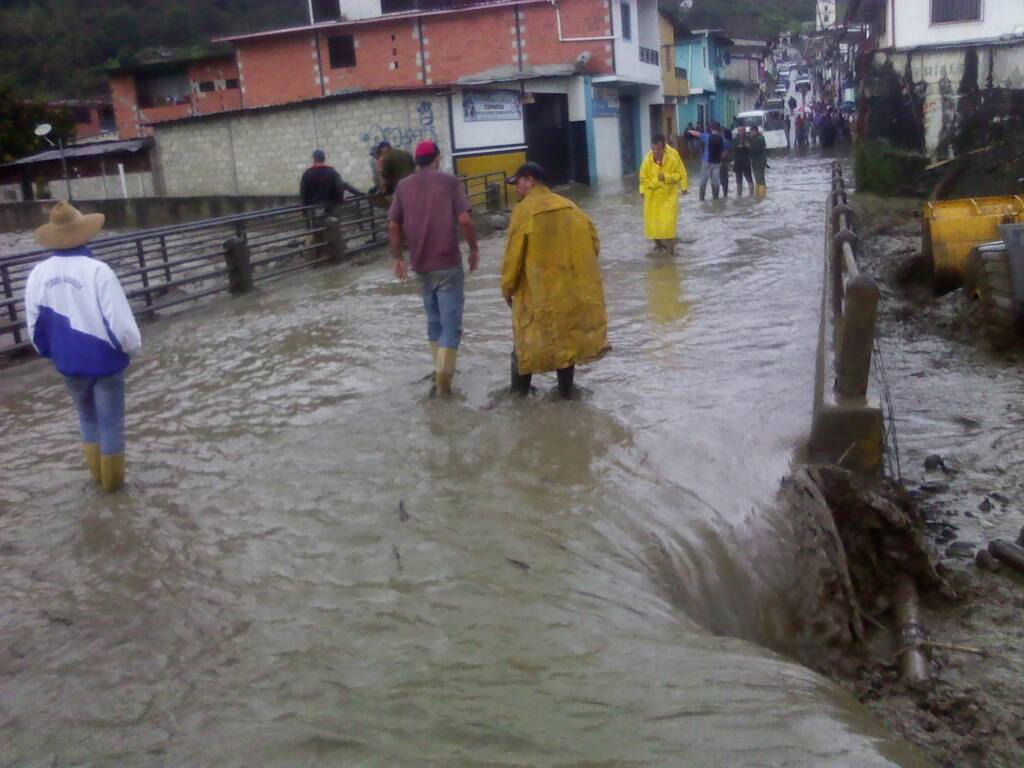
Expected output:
(649, 56)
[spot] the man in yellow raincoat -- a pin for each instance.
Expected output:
(551, 279)
(662, 178)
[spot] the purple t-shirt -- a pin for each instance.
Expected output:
(427, 205)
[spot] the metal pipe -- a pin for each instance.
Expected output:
(911, 635)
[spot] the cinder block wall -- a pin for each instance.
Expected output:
(267, 150)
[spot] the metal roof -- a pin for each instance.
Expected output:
(483, 5)
(511, 73)
(85, 150)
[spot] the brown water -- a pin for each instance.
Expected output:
(255, 597)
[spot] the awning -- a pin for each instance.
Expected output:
(511, 74)
(128, 146)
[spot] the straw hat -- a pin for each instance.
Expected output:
(68, 227)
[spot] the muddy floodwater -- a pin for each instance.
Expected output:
(316, 564)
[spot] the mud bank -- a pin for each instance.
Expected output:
(959, 410)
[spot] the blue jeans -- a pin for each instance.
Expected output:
(100, 405)
(444, 296)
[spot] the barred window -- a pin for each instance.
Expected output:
(945, 11)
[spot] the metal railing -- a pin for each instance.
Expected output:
(845, 423)
(170, 266)
(649, 56)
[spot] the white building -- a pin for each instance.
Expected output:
(825, 15)
(936, 38)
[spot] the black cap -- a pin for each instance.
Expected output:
(319, 156)
(533, 171)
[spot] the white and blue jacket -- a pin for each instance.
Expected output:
(78, 315)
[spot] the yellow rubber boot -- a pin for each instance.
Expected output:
(433, 353)
(91, 451)
(112, 472)
(445, 370)
(762, 191)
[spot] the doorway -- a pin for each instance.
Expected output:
(546, 125)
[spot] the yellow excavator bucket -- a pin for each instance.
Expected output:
(951, 228)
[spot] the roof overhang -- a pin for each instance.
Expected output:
(333, 25)
(127, 146)
(512, 74)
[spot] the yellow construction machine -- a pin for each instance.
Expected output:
(994, 279)
(951, 228)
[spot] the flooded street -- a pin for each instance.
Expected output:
(316, 564)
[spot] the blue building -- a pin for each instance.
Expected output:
(703, 54)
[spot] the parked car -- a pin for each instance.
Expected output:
(803, 84)
(782, 87)
(769, 122)
(775, 105)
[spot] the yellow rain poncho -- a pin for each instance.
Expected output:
(550, 272)
(661, 198)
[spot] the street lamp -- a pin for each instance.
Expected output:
(42, 131)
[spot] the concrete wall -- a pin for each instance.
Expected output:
(142, 213)
(938, 74)
(265, 152)
(913, 25)
(90, 188)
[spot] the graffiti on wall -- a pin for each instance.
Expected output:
(408, 136)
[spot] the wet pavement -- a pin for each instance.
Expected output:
(316, 564)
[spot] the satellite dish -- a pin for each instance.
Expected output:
(685, 5)
(44, 129)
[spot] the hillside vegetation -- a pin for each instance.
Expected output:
(746, 18)
(58, 48)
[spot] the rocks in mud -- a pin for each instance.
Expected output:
(986, 561)
(935, 462)
(963, 550)
(985, 506)
(1008, 554)
(1020, 537)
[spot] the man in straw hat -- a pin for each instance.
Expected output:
(79, 317)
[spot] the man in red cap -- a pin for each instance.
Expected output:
(426, 208)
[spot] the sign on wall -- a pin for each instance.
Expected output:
(606, 102)
(491, 105)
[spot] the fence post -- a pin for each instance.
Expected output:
(857, 337)
(493, 197)
(334, 241)
(236, 255)
(12, 309)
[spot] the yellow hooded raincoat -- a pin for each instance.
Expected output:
(551, 273)
(661, 198)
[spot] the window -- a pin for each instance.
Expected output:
(82, 115)
(326, 10)
(231, 83)
(163, 90)
(206, 86)
(946, 11)
(627, 22)
(342, 50)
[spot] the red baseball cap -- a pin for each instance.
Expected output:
(425, 152)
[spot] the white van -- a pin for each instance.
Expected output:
(768, 123)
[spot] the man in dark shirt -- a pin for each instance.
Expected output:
(427, 208)
(322, 185)
(711, 162)
(395, 165)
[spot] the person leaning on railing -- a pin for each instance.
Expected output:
(79, 317)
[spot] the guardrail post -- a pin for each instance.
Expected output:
(239, 263)
(334, 241)
(857, 337)
(493, 197)
(12, 309)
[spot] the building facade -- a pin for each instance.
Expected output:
(950, 48)
(702, 54)
(570, 84)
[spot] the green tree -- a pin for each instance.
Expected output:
(18, 121)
